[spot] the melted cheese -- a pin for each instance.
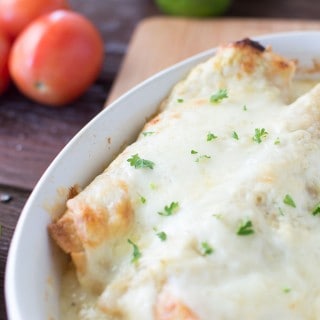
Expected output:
(217, 186)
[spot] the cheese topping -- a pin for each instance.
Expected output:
(214, 211)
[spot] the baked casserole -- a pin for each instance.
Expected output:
(214, 211)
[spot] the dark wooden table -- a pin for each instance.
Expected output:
(31, 135)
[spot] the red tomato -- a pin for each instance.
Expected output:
(4, 57)
(56, 58)
(15, 15)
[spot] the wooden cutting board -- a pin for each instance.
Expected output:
(160, 42)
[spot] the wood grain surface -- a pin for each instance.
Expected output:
(160, 42)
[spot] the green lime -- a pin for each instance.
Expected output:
(195, 8)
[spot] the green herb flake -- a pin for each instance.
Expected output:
(235, 135)
(217, 216)
(316, 209)
(289, 201)
(245, 228)
(180, 100)
(219, 96)
(211, 136)
(162, 235)
(138, 163)
(153, 186)
(206, 248)
(143, 200)
(286, 290)
(244, 108)
(202, 157)
(277, 141)
(136, 254)
(148, 133)
(170, 210)
(259, 135)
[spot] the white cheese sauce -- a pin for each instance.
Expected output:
(269, 179)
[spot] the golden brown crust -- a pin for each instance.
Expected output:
(73, 191)
(114, 313)
(93, 222)
(79, 260)
(93, 225)
(86, 224)
(246, 42)
(96, 225)
(170, 308)
(64, 233)
(250, 58)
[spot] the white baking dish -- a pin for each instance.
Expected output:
(32, 274)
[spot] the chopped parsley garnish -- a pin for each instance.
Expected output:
(180, 100)
(211, 136)
(170, 210)
(204, 156)
(316, 209)
(235, 135)
(244, 108)
(137, 162)
(286, 290)
(289, 201)
(153, 186)
(136, 254)
(259, 135)
(162, 235)
(219, 95)
(277, 141)
(148, 133)
(143, 200)
(206, 248)
(217, 215)
(245, 228)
